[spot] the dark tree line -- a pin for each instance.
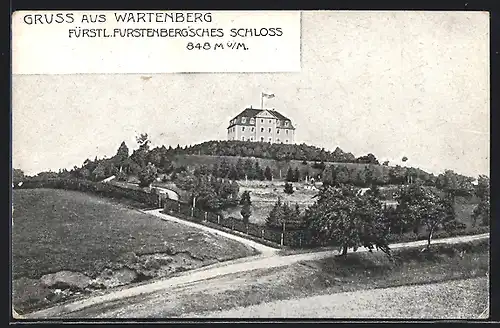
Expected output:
(277, 152)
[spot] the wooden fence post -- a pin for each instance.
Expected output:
(262, 235)
(282, 237)
(192, 211)
(218, 219)
(205, 216)
(247, 229)
(179, 207)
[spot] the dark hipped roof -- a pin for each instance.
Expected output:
(278, 115)
(252, 112)
(248, 112)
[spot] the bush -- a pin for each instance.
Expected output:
(288, 188)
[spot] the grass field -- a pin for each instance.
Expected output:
(55, 230)
(360, 271)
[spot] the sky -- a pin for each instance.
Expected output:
(394, 84)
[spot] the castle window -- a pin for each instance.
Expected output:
(278, 140)
(270, 139)
(253, 129)
(242, 138)
(261, 129)
(277, 131)
(261, 120)
(252, 121)
(251, 138)
(262, 139)
(242, 128)
(286, 131)
(286, 123)
(270, 121)
(243, 120)
(270, 130)
(286, 141)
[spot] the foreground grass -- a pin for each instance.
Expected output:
(456, 299)
(55, 230)
(361, 271)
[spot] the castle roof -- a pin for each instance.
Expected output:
(253, 112)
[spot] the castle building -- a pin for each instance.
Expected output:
(262, 125)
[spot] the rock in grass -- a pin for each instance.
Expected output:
(66, 280)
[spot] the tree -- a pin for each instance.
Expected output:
(17, 176)
(368, 172)
(147, 175)
(367, 159)
(483, 187)
(296, 175)
(99, 172)
(233, 173)
(235, 189)
(397, 174)
(268, 173)
(240, 169)
(245, 198)
(246, 211)
(121, 155)
(289, 188)
(249, 169)
(419, 205)
(342, 175)
(225, 168)
(140, 155)
(454, 185)
(482, 210)
(259, 172)
(327, 177)
(343, 216)
(275, 217)
(289, 175)
(143, 140)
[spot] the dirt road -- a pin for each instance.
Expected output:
(99, 303)
(459, 299)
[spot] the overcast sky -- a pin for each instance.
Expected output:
(393, 84)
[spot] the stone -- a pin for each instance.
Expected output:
(65, 280)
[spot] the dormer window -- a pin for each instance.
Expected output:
(243, 120)
(252, 121)
(286, 123)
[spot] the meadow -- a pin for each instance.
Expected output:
(60, 230)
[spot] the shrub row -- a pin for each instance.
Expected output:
(291, 238)
(98, 188)
(186, 212)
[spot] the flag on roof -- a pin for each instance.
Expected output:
(268, 95)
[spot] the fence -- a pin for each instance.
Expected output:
(291, 238)
(99, 188)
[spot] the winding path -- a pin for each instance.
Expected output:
(269, 259)
(263, 249)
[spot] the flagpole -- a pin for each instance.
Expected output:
(261, 100)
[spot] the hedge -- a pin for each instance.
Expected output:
(98, 188)
(291, 238)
